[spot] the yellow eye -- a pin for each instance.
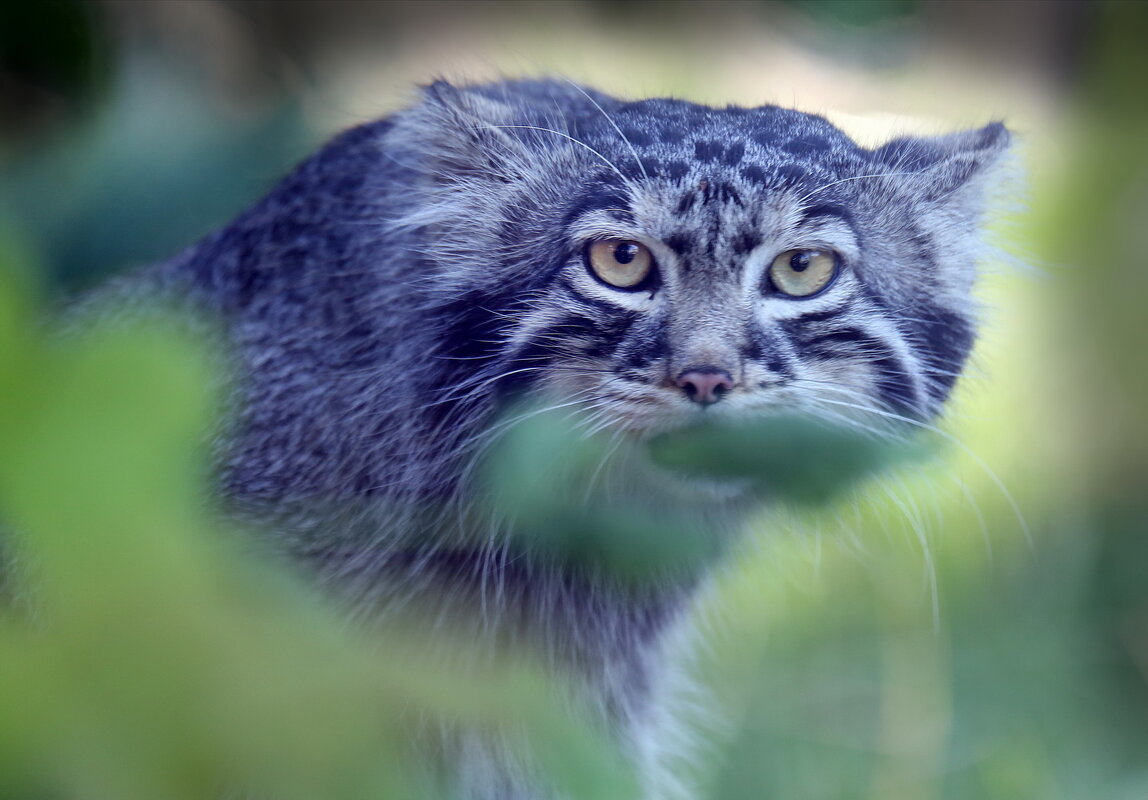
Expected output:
(803, 273)
(621, 263)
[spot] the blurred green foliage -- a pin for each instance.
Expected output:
(52, 55)
(1032, 681)
(153, 166)
(784, 459)
(908, 643)
(145, 654)
(152, 172)
(787, 458)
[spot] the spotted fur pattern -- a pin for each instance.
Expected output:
(393, 293)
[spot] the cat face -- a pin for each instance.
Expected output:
(660, 262)
(753, 301)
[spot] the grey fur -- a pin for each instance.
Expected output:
(384, 301)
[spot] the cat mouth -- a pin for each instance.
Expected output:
(649, 419)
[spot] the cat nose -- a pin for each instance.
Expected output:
(705, 385)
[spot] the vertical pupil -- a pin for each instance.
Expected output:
(800, 261)
(625, 253)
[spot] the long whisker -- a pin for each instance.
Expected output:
(972, 501)
(614, 125)
(854, 178)
(568, 137)
(912, 515)
(992, 475)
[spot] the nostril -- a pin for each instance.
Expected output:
(705, 385)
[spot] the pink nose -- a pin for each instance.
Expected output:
(705, 385)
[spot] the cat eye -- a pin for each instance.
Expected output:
(804, 273)
(621, 263)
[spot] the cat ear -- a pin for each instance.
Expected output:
(468, 133)
(938, 166)
(469, 105)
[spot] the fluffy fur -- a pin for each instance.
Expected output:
(385, 301)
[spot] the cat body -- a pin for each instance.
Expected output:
(627, 260)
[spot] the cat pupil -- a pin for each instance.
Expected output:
(800, 261)
(625, 253)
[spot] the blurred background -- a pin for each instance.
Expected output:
(975, 628)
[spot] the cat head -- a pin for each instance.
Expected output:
(659, 260)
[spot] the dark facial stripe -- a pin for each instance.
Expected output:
(475, 324)
(588, 303)
(745, 241)
(605, 198)
(575, 336)
(945, 339)
(895, 387)
(679, 243)
(830, 211)
(823, 315)
(470, 342)
(644, 346)
(763, 349)
(559, 342)
(838, 342)
(526, 369)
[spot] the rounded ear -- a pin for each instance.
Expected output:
(499, 132)
(468, 104)
(937, 166)
(467, 135)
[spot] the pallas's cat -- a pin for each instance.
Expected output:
(640, 264)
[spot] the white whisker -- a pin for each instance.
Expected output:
(972, 501)
(992, 475)
(912, 516)
(801, 201)
(613, 125)
(580, 143)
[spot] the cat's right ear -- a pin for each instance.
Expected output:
(465, 134)
(939, 166)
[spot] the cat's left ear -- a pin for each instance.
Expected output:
(938, 166)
